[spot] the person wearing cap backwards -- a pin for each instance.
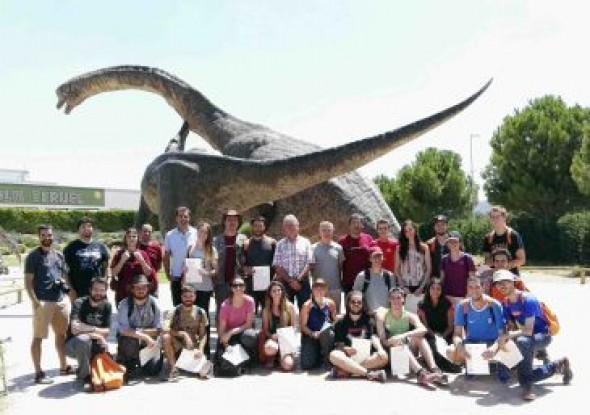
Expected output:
(139, 324)
(528, 329)
(455, 269)
(379, 282)
(437, 244)
(229, 251)
(317, 333)
(186, 328)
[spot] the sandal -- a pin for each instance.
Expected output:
(68, 370)
(42, 379)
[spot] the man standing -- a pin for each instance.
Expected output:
(90, 322)
(258, 251)
(374, 283)
(503, 237)
(529, 331)
(176, 245)
(387, 244)
(438, 243)
(139, 323)
(45, 273)
(327, 259)
(86, 259)
(150, 247)
(228, 246)
(292, 262)
(356, 251)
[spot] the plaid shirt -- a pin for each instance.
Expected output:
(293, 256)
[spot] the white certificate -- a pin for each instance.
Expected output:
(476, 364)
(441, 345)
(193, 271)
(149, 353)
(261, 278)
(400, 360)
(235, 354)
(187, 361)
(287, 341)
(362, 347)
(510, 357)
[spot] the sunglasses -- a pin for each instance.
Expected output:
(356, 302)
(238, 285)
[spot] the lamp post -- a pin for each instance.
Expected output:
(472, 170)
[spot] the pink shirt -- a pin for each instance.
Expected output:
(235, 317)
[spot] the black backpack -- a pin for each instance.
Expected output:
(386, 276)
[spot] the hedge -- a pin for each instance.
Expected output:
(574, 237)
(27, 220)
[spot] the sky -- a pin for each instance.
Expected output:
(328, 72)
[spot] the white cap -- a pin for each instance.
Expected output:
(503, 275)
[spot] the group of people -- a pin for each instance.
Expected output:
(396, 292)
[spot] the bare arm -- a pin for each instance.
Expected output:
(30, 291)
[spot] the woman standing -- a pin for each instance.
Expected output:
(412, 265)
(317, 333)
(278, 312)
(204, 250)
(455, 269)
(128, 262)
(436, 312)
(236, 319)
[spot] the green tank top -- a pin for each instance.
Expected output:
(394, 326)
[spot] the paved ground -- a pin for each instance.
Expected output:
(266, 392)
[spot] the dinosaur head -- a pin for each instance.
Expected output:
(71, 95)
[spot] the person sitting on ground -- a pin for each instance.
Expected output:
(139, 324)
(90, 321)
(397, 326)
(128, 262)
(478, 319)
(356, 323)
(186, 328)
(436, 313)
(317, 332)
(529, 330)
(374, 282)
(236, 321)
(455, 268)
(278, 312)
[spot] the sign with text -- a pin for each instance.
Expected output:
(24, 194)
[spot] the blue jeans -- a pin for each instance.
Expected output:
(528, 345)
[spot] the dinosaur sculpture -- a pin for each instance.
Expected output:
(261, 171)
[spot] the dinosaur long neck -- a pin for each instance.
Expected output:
(213, 124)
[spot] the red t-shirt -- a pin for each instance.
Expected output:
(356, 254)
(230, 258)
(154, 252)
(388, 247)
(125, 277)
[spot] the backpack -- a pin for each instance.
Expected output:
(508, 234)
(547, 315)
(105, 373)
(131, 305)
(386, 277)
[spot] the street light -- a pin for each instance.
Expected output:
(471, 137)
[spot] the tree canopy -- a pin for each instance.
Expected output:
(434, 183)
(581, 164)
(532, 154)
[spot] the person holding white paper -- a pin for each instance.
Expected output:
(204, 250)
(278, 312)
(478, 319)
(528, 329)
(186, 328)
(258, 251)
(356, 324)
(396, 326)
(317, 332)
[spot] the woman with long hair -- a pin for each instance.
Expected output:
(128, 262)
(436, 312)
(412, 265)
(278, 312)
(204, 250)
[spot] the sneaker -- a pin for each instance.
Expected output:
(563, 367)
(528, 394)
(439, 377)
(206, 371)
(82, 385)
(503, 374)
(426, 379)
(377, 375)
(133, 376)
(336, 373)
(543, 356)
(42, 379)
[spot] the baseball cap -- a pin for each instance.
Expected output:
(454, 235)
(140, 279)
(503, 275)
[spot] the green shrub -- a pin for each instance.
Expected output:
(574, 237)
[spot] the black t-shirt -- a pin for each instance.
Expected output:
(84, 312)
(47, 268)
(509, 240)
(346, 328)
(85, 261)
(437, 251)
(436, 317)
